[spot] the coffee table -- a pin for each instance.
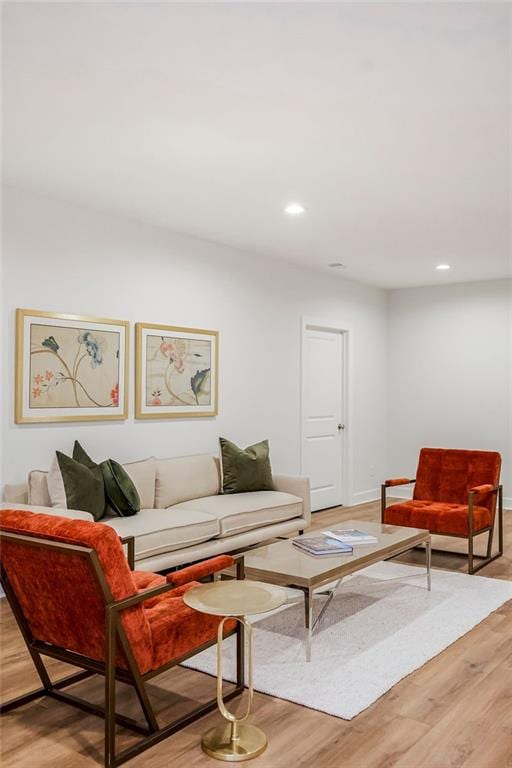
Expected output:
(283, 564)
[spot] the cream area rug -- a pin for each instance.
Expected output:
(381, 626)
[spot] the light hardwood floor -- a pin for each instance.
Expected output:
(455, 712)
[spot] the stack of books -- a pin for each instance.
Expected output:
(352, 537)
(322, 545)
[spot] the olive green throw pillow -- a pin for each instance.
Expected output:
(119, 488)
(77, 483)
(245, 469)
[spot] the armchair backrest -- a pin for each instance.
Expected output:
(62, 573)
(448, 474)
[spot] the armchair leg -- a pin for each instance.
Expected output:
(489, 542)
(110, 690)
(382, 503)
(500, 519)
(470, 553)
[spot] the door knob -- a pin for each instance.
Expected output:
(340, 427)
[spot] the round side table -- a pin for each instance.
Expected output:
(237, 740)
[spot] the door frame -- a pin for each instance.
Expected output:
(346, 332)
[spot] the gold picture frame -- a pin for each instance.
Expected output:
(82, 368)
(176, 372)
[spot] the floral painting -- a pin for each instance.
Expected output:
(70, 368)
(176, 371)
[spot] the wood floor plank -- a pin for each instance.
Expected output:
(454, 712)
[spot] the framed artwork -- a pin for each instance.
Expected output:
(177, 371)
(70, 368)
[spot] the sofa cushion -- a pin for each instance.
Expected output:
(437, 517)
(120, 489)
(142, 473)
(185, 477)
(77, 483)
(245, 469)
(38, 492)
(243, 511)
(164, 530)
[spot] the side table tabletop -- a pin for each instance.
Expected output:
(238, 740)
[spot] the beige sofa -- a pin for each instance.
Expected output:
(183, 515)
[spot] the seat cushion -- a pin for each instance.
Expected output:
(240, 512)
(185, 477)
(164, 530)
(147, 579)
(437, 517)
(177, 629)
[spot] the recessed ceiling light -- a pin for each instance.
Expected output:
(294, 209)
(443, 266)
(337, 265)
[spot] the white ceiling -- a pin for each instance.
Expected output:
(391, 123)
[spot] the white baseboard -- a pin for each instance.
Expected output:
(363, 497)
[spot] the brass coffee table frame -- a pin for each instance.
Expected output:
(336, 568)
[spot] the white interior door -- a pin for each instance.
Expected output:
(322, 415)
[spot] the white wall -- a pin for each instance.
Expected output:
(64, 258)
(450, 372)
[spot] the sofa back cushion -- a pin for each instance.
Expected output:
(38, 492)
(184, 478)
(448, 474)
(142, 473)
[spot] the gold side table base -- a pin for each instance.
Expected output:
(249, 742)
(236, 740)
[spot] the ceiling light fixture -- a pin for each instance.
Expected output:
(442, 267)
(294, 209)
(337, 265)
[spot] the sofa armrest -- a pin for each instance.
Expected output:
(297, 486)
(16, 493)
(74, 514)
(398, 481)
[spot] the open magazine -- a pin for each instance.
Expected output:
(352, 537)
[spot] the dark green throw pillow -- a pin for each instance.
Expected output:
(77, 483)
(119, 488)
(245, 469)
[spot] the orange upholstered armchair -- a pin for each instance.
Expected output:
(455, 494)
(76, 599)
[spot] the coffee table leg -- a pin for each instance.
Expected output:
(308, 615)
(428, 558)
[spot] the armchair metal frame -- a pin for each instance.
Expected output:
(115, 637)
(484, 559)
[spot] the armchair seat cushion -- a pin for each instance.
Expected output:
(437, 516)
(177, 629)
